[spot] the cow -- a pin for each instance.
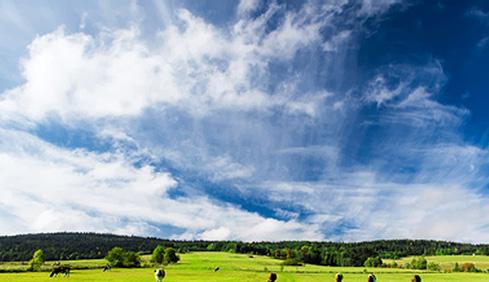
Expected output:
(416, 278)
(159, 275)
(65, 270)
(372, 278)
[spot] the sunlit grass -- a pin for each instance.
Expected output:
(199, 266)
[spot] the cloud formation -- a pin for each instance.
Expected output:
(255, 130)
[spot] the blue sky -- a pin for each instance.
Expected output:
(248, 120)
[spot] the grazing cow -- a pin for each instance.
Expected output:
(107, 268)
(272, 277)
(216, 269)
(339, 277)
(159, 275)
(371, 278)
(65, 270)
(416, 278)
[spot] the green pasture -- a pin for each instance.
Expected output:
(199, 266)
(448, 262)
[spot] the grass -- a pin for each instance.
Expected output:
(448, 262)
(199, 266)
(15, 266)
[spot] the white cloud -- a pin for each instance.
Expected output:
(229, 104)
(337, 41)
(83, 20)
(448, 212)
(375, 7)
(68, 76)
(478, 14)
(373, 209)
(246, 6)
(53, 189)
(192, 65)
(483, 43)
(380, 93)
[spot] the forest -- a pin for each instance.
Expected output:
(64, 246)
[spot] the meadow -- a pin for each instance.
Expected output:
(199, 266)
(447, 263)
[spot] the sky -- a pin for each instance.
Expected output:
(246, 120)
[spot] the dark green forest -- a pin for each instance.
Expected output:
(62, 246)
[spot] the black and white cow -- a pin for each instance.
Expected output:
(159, 275)
(59, 269)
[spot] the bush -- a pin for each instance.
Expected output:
(292, 262)
(407, 265)
(433, 266)
(170, 256)
(373, 262)
(117, 257)
(420, 263)
(469, 267)
(132, 259)
(391, 265)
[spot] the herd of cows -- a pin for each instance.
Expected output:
(160, 274)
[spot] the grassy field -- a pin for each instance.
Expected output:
(200, 266)
(448, 262)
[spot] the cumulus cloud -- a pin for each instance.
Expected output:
(194, 66)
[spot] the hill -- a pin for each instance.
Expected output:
(62, 246)
(70, 246)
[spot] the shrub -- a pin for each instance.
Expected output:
(456, 268)
(132, 259)
(407, 265)
(170, 256)
(373, 262)
(117, 257)
(469, 267)
(433, 266)
(420, 263)
(292, 262)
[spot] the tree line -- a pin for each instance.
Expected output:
(71, 246)
(61, 246)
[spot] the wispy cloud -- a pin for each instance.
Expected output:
(80, 190)
(236, 132)
(478, 14)
(483, 43)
